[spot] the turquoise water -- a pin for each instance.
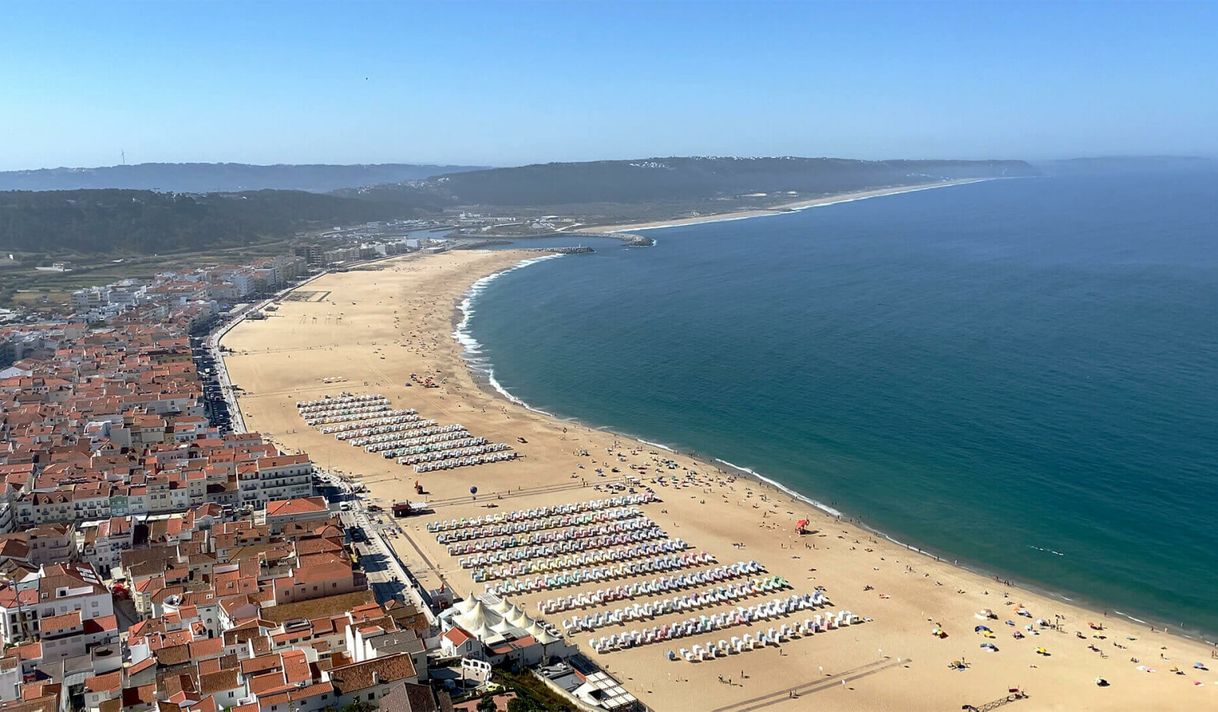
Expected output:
(1020, 374)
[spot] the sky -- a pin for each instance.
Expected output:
(508, 83)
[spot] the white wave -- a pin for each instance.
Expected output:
(819, 505)
(471, 349)
(469, 345)
(662, 447)
(911, 547)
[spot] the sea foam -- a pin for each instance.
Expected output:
(471, 349)
(802, 497)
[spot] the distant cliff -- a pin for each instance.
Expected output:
(220, 177)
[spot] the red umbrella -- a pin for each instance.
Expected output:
(801, 524)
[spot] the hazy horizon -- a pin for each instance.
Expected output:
(513, 84)
(1131, 157)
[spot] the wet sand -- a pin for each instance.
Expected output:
(367, 331)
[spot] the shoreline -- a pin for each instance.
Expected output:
(780, 209)
(375, 328)
(483, 376)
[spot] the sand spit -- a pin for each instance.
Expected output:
(791, 207)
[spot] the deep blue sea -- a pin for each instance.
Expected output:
(1021, 374)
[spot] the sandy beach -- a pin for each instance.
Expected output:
(781, 208)
(367, 331)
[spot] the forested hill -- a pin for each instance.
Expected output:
(688, 178)
(145, 222)
(216, 177)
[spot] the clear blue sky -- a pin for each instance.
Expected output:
(507, 83)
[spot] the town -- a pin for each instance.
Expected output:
(155, 556)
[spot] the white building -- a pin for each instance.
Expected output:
(277, 477)
(55, 590)
(490, 628)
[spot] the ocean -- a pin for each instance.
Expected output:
(1021, 375)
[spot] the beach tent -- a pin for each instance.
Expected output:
(503, 607)
(466, 605)
(543, 636)
(479, 616)
(520, 620)
(485, 634)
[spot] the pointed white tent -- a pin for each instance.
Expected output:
(466, 605)
(542, 635)
(478, 616)
(484, 633)
(503, 607)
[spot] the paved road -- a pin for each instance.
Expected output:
(386, 576)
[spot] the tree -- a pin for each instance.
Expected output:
(487, 704)
(360, 706)
(522, 704)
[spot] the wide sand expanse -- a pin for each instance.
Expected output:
(373, 329)
(781, 208)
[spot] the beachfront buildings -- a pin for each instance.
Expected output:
(275, 477)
